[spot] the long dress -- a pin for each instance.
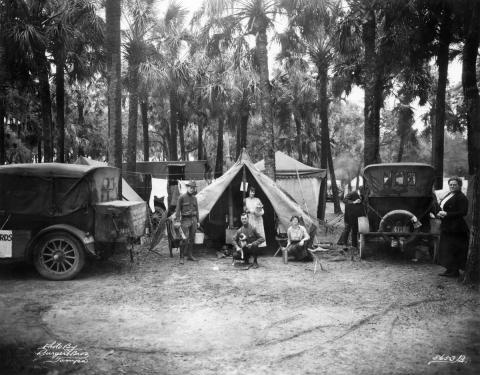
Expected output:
(255, 221)
(454, 233)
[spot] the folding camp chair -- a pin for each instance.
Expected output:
(158, 221)
(316, 254)
(173, 238)
(282, 240)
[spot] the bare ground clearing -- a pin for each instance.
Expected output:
(381, 316)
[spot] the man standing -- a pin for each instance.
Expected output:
(246, 241)
(353, 210)
(187, 214)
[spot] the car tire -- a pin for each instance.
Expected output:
(59, 256)
(363, 225)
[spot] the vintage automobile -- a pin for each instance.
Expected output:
(398, 206)
(55, 215)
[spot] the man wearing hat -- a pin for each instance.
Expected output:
(186, 214)
(246, 242)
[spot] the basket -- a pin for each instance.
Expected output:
(199, 238)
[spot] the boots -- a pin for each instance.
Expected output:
(189, 253)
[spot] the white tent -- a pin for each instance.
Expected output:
(299, 180)
(213, 197)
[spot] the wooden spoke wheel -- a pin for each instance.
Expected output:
(59, 256)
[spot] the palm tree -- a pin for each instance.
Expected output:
(442, 62)
(29, 26)
(320, 43)
(112, 44)
(253, 17)
(176, 70)
(139, 17)
(76, 29)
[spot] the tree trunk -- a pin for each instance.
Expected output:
(266, 107)
(336, 199)
(39, 149)
(60, 95)
(298, 124)
(238, 129)
(219, 159)
(201, 124)
(132, 119)
(324, 133)
(244, 116)
(3, 101)
(146, 139)
(401, 148)
(181, 137)
(359, 170)
(80, 121)
(46, 107)
(3, 112)
(472, 106)
(439, 125)
(173, 126)
(113, 13)
(373, 93)
(404, 125)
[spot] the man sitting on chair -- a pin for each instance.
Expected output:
(246, 242)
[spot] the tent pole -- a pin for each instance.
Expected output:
(230, 207)
(244, 180)
(301, 190)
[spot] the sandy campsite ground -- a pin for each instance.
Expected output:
(385, 315)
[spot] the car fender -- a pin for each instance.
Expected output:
(85, 238)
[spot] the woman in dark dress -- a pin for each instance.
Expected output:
(454, 230)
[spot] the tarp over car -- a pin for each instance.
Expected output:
(127, 192)
(301, 181)
(64, 188)
(215, 195)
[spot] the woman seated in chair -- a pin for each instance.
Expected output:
(297, 237)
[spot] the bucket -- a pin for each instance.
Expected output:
(199, 237)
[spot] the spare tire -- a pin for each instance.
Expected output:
(396, 219)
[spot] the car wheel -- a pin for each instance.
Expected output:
(59, 256)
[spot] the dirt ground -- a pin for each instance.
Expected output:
(385, 315)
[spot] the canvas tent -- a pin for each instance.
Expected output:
(222, 201)
(127, 192)
(299, 180)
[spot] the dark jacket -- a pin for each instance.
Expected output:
(353, 210)
(456, 208)
(251, 233)
(187, 207)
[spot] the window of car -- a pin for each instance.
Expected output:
(387, 178)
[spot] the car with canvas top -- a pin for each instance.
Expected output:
(55, 215)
